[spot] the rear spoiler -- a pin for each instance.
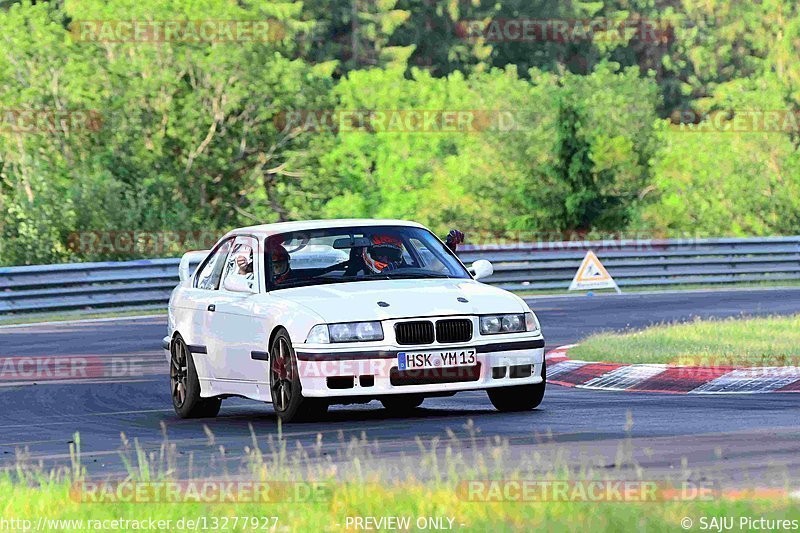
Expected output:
(190, 258)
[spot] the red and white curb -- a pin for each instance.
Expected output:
(561, 370)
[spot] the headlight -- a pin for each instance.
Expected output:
(532, 323)
(516, 323)
(319, 335)
(346, 332)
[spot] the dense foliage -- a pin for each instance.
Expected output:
(685, 123)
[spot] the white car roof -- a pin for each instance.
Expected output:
(306, 225)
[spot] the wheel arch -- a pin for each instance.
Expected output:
(274, 333)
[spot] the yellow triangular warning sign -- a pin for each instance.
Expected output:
(592, 275)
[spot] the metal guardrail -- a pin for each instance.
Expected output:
(87, 285)
(639, 263)
(534, 266)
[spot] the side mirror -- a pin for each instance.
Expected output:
(237, 283)
(481, 269)
(188, 260)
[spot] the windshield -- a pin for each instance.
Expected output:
(337, 255)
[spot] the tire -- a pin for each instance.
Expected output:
(285, 387)
(402, 404)
(520, 397)
(185, 387)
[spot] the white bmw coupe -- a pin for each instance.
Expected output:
(308, 314)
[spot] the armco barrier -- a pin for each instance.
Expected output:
(534, 266)
(551, 265)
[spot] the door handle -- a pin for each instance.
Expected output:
(212, 307)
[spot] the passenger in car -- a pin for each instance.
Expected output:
(245, 264)
(280, 263)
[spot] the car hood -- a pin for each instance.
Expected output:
(358, 301)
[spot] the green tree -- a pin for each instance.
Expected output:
(190, 134)
(731, 173)
(437, 30)
(355, 33)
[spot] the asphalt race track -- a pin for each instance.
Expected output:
(739, 438)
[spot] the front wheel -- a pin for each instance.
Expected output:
(519, 397)
(285, 388)
(185, 387)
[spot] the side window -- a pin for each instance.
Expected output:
(209, 276)
(240, 261)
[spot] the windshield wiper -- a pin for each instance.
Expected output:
(410, 275)
(311, 282)
(382, 275)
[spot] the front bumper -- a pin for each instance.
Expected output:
(330, 373)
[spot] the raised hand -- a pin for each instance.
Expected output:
(454, 238)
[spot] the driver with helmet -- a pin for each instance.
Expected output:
(386, 251)
(279, 258)
(384, 254)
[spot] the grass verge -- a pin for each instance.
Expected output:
(416, 503)
(769, 341)
(428, 492)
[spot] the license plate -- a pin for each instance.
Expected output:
(437, 359)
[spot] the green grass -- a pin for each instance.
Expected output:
(363, 485)
(410, 499)
(770, 341)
